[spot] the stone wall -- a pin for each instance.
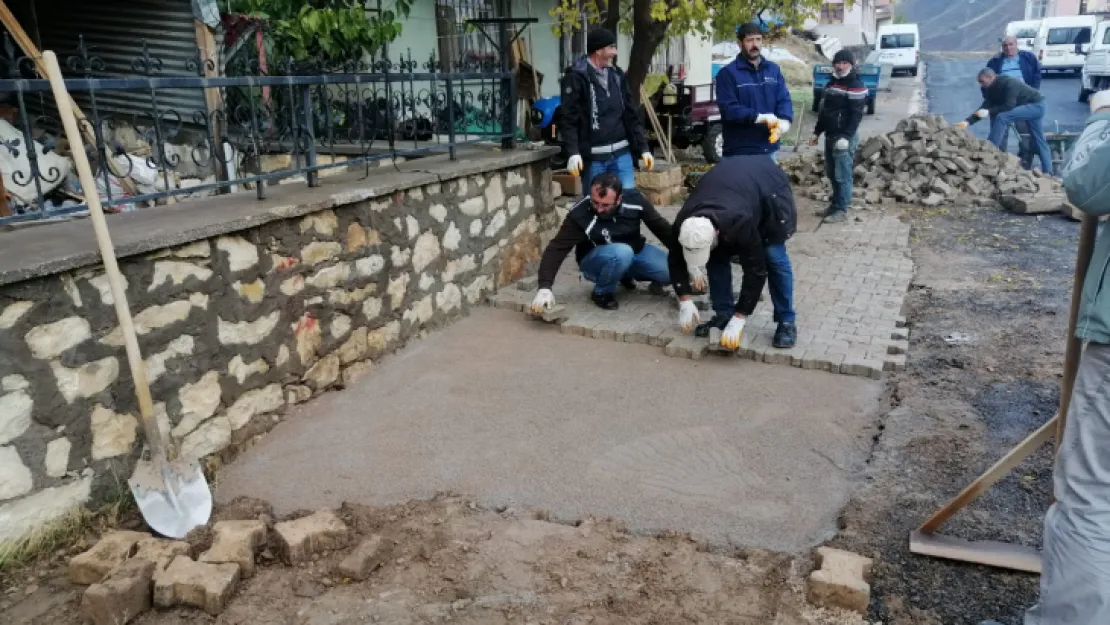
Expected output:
(236, 327)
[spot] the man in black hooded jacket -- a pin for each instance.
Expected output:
(742, 208)
(842, 108)
(601, 126)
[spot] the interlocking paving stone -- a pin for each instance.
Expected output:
(850, 282)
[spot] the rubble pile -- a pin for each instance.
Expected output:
(924, 161)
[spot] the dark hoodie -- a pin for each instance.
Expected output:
(842, 107)
(595, 115)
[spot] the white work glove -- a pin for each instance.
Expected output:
(574, 165)
(544, 301)
(784, 126)
(647, 161)
(960, 124)
(730, 338)
(688, 316)
(982, 113)
(841, 144)
(766, 118)
(698, 279)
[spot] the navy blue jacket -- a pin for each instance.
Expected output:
(1030, 67)
(745, 91)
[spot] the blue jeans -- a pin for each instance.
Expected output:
(838, 169)
(780, 281)
(606, 265)
(620, 165)
(1033, 116)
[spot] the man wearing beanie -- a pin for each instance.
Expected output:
(602, 129)
(841, 112)
(742, 208)
(1075, 577)
(753, 99)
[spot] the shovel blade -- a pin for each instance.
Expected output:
(173, 499)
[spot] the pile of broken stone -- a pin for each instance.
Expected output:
(129, 572)
(929, 162)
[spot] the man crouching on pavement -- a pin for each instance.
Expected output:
(743, 208)
(604, 231)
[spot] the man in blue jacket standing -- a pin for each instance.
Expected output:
(1024, 66)
(753, 98)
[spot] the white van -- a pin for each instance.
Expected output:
(1096, 69)
(1025, 31)
(899, 45)
(1057, 38)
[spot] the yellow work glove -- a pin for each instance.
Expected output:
(730, 338)
(961, 124)
(647, 161)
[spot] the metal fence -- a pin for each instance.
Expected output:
(316, 115)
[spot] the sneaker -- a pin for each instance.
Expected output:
(836, 217)
(657, 288)
(786, 335)
(607, 301)
(717, 321)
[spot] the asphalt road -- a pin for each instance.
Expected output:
(952, 91)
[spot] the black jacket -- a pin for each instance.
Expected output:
(749, 201)
(583, 230)
(842, 107)
(1005, 94)
(577, 111)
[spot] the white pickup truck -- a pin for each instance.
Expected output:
(1096, 68)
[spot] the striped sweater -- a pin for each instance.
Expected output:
(842, 107)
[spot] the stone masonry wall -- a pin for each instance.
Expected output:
(235, 328)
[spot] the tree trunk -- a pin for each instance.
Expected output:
(613, 16)
(647, 34)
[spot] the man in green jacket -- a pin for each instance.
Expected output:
(1075, 581)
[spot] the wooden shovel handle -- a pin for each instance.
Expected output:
(107, 253)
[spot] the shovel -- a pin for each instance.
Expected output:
(172, 495)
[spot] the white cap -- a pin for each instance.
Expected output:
(696, 238)
(1099, 99)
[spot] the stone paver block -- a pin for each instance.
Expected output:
(108, 553)
(687, 346)
(197, 584)
(364, 560)
(841, 580)
(300, 539)
(895, 363)
(122, 596)
(160, 551)
(238, 542)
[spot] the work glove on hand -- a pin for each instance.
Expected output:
(960, 124)
(784, 126)
(982, 113)
(574, 165)
(688, 316)
(841, 144)
(730, 338)
(813, 140)
(544, 301)
(766, 118)
(699, 282)
(647, 161)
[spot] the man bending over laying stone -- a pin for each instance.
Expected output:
(604, 231)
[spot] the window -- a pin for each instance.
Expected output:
(901, 40)
(1036, 9)
(1106, 36)
(1068, 36)
(458, 41)
(832, 13)
(1026, 33)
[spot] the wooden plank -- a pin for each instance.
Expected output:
(213, 101)
(997, 471)
(987, 552)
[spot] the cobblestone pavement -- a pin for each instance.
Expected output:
(850, 281)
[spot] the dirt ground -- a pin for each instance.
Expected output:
(987, 312)
(450, 561)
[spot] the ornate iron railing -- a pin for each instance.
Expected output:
(354, 113)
